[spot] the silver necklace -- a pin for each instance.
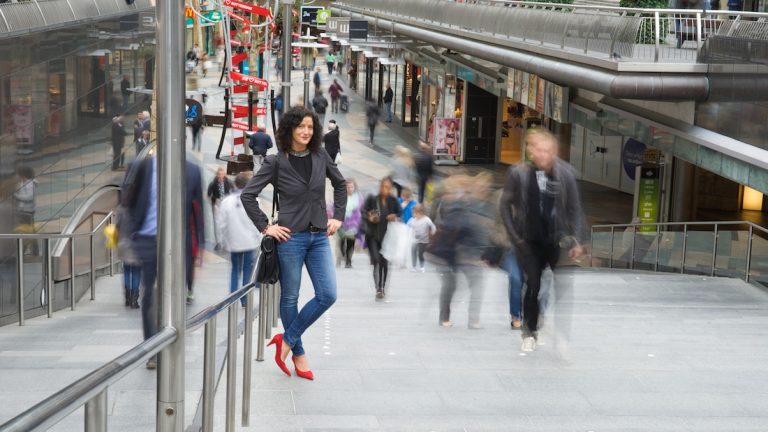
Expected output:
(301, 154)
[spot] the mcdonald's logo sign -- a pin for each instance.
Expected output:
(188, 12)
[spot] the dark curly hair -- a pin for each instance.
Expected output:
(290, 121)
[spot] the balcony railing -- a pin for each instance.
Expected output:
(616, 34)
(733, 249)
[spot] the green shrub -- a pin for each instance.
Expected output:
(646, 34)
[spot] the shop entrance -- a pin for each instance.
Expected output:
(411, 100)
(481, 123)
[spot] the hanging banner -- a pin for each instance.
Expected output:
(239, 58)
(240, 89)
(237, 17)
(447, 136)
(261, 83)
(251, 8)
(240, 111)
(240, 126)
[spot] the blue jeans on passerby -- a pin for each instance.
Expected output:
(146, 249)
(388, 107)
(132, 278)
(314, 251)
(515, 276)
(242, 264)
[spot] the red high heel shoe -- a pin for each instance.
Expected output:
(278, 342)
(303, 374)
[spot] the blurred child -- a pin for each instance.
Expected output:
(422, 228)
(407, 203)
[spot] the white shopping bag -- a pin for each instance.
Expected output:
(396, 247)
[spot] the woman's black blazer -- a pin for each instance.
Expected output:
(301, 203)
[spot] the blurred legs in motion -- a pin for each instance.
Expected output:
(533, 266)
(515, 279)
(380, 266)
(474, 276)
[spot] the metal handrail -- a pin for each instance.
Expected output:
(91, 390)
(751, 229)
(48, 263)
(56, 407)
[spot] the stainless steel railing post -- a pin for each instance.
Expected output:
(268, 309)
(247, 359)
(111, 251)
(632, 254)
(592, 244)
(261, 332)
(209, 374)
(20, 278)
(96, 413)
(276, 304)
(749, 254)
(658, 248)
(72, 272)
(231, 367)
(49, 277)
(93, 267)
(657, 36)
(685, 248)
(714, 251)
(610, 257)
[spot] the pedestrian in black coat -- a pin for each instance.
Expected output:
(331, 140)
(118, 140)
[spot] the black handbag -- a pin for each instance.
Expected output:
(268, 267)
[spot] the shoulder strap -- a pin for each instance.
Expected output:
(275, 202)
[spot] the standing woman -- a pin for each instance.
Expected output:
(300, 167)
(379, 210)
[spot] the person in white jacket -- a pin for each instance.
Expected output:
(238, 235)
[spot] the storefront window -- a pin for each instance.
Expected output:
(411, 92)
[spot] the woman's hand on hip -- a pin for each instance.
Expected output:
(279, 232)
(333, 226)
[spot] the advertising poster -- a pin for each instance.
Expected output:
(18, 122)
(541, 93)
(533, 86)
(447, 136)
(518, 85)
(648, 201)
(524, 88)
(511, 84)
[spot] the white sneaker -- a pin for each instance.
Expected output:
(413, 269)
(422, 270)
(529, 344)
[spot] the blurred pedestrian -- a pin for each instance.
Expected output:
(465, 220)
(352, 72)
(316, 79)
(279, 104)
(238, 235)
(372, 114)
(303, 229)
(138, 126)
(335, 91)
(197, 128)
(320, 105)
(141, 200)
(24, 206)
(389, 95)
(118, 140)
(259, 142)
(129, 257)
(402, 169)
(331, 141)
(125, 91)
(218, 188)
(142, 142)
(330, 60)
(353, 219)
(424, 168)
(407, 203)
(379, 210)
(422, 229)
(542, 213)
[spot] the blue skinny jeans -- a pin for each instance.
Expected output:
(314, 251)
